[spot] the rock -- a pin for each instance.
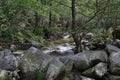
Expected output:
(89, 36)
(68, 65)
(54, 69)
(115, 63)
(112, 49)
(98, 71)
(8, 75)
(18, 53)
(66, 37)
(33, 62)
(33, 50)
(113, 77)
(76, 77)
(8, 61)
(13, 47)
(4, 75)
(85, 78)
(35, 43)
(87, 59)
(116, 42)
(81, 61)
(97, 56)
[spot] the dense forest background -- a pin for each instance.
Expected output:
(43, 20)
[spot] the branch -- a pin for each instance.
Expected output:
(63, 4)
(98, 12)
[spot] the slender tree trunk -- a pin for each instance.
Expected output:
(73, 14)
(77, 38)
(36, 22)
(50, 16)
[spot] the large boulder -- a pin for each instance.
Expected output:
(115, 63)
(112, 49)
(54, 69)
(7, 60)
(32, 62)
(81, 61)
(87, 59)
(97, 56)
(97, 71)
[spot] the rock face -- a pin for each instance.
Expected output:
(98, 71)
(54, 69)
(115, 63)
(112, 49)
(96, 56)
(85, 60)
(81, 61)
(33, 62)
(7, 60)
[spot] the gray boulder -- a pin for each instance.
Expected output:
(33, 62)
(97, 56)
(112, 49)
(81, 61)
(98, 71)
(85, 60)
(7, 60)
(68, 65)
(115, 63)
(54, 69)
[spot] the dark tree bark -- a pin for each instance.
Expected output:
(73, 14)
(77, 38)
(50, 15)
(36, 22)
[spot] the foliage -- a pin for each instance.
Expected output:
(98, 35)
(19, 18)
(40, 76)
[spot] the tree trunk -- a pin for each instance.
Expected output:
(50, 15)
(77, 38)
(36, 22)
